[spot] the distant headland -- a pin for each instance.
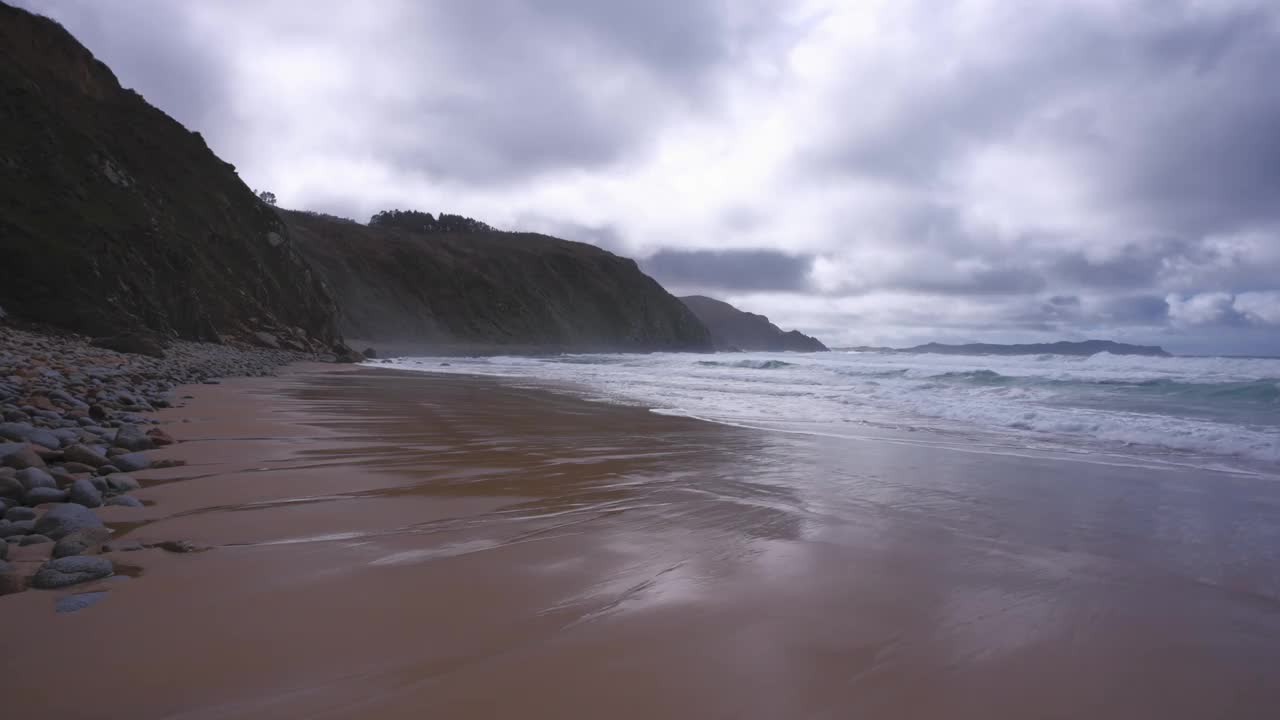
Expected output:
(1062, 347)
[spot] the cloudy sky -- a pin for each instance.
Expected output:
(871, 172)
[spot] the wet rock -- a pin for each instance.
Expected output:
(84, 493)
(125, 501)
(42, 495)
(18, 514)
(160, 437)
(132, 437)
(123, 546)
(25, 432)
(132, 462)
(78, 602)
(9, 528)
(84, 455)
(4, 550)
(23, 457)
(81, 541)
(120, 482)
(65, 571)
(77, 468)
(65, 519)
(32, 478)
(108, 470)
(11, 488)
(181, 546)
(34, 539)
(370, 353)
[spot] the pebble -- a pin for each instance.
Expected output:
(61, 572)
(84, 493)
(65, 519)
(131, 462)
(32, 478)
(125, 501)
(42, 495)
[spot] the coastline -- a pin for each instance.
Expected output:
(405, 544)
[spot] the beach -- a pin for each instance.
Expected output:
(382, 543)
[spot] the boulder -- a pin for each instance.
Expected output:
(119, 482)
(131, 462)
(42, 495)
(24, 432)
(9, 528)
(125, 501)
(370, 353)
(132, 438)
(84, 455)
(84, 493)
(33, 539)
(18, 514)
(66, 519)
(64, 571)
(24, 457)
(32, 478)
(81, 541)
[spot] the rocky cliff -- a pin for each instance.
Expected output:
(478, 289)
(114, 217)
(733, 329)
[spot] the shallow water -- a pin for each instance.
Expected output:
(1209, 412)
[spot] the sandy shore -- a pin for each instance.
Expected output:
(397, 545)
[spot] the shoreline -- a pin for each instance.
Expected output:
(402, 544)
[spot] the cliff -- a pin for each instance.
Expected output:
(733, 329)
(476, 289)
(114, 217)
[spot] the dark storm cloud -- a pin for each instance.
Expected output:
(730, 270)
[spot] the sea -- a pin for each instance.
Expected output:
(1215, 413)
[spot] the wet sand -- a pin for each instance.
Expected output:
(399, 545)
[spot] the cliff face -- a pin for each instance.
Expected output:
(114, 217)
(733, 329)
(484, 290)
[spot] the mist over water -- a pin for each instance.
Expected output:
(1213, 412)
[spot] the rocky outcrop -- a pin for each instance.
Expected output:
(733, 329)
(484, 289)
(114, 218)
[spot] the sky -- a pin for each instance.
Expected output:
(878, 173)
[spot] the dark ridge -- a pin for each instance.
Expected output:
(733, 329)
(476, 289)
(115, 218)
(1062, 347)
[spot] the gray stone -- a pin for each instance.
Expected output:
(81, 541)
(84, 493)
(4, 550)
(123, 546)
(132, 462)
(78, 602)
(11, 488)
(64, 571)
(32, 478)
(9, 528)
(75, 468)
(42, 495)
(181, 546)
(25, 457)
(66, 436)
(119, 482)
(66, 519)
(133, 438)
(108, 470)
(34, 539)
(125, 501)
(17, 514)
(24, 432)
(85, 455)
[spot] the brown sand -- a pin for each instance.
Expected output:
(398, 545)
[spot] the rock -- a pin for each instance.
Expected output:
(181, 546)
(108, 470)
(64, 571)
(23, 432)
(84, 455)
(61, 476)
(33, 539)
(24, 457)
(76, 468)
(81, 541)
(78, 602)
(42, 495)
(9, 528)
(66, 519)
(4, 550)
(66, 436)
(370, 353)
(123, 546)
(131, 462)
(97, 412)
(18, 514)
(10, 580)
(135, 343)
(119, 482)
(160, 437)
(131, 437)
(11, 488)
(84, 493)
(266, 339)
(32, 478)
(125, 501)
